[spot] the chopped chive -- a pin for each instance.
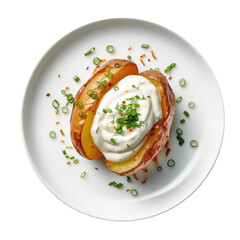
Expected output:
(90, 51)
(129, 57)
(119, 185)
(191, 104)
(159, 168)
(182, 82)
(110, 110)
(97, 130)
(129, 179)
(134, 192)
(179, 131)
(170, 162)
(145, 46)
(76, 78)
(78, 104)
(72, 157)
(117, 65)
(96, 61)
(65, 109)
(182, 121)
(186, 113)
(83, 174)
(75, 161)
(64, 152)
(179, 99)
(180, 139)
(193, 143)
(113, 140)
(104, 110)
(116, 88)
(110, 48)
(170, 67)
(52, 134)
(136, 105)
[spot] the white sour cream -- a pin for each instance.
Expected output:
(119, 147)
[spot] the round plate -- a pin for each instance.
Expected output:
(164, 189)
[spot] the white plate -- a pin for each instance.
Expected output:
(92, 195)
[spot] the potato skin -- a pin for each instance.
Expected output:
(163, 126)
(77, 122)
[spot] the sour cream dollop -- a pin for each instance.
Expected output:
(142, 95)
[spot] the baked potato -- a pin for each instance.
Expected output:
(82, 117)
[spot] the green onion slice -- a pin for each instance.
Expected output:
(170, 162)
(82, 114)
(110, 48)
(193, 143)
(76, 78)
(129, 179)
(134, 192)
(83, 174)
(89, 92)
(65, 109)
(129, 57)
(55, 103)
(191, 104)
(182, 121)
(63, 92)
(157, 69)
(186, 113)
(113, 140)
(180, 139)
(145, 46)
(117, 65)
(52, 134)
(110, 110)
(119, 185)
(75, 161)
(96, 61)
(182, 82)
(78, 104)
(90, 51)
(159, 168)
(170, 67)
(64, 152)
(116, 88)
(179, 99)
(179, 131)
(93, 96)
(105, 111)
(72, 157)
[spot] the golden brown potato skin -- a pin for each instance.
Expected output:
(77, 122)
(159, 133)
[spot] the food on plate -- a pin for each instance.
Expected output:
(124, 116)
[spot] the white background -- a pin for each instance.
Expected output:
(27, 209)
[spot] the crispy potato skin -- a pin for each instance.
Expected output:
(76, 121)
(160, 131)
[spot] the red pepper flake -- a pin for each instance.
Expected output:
(57, 122)
(127, 190)
(123, 102)
(48, 94)
(95, 69)
(92, 146)
(144, 181)
(130, 48)
(114, 127)
(66, 88)
(59, 75)
(130, 129)
(135, 176)
(96, 168)
(68, 163)
(68, 147)
(180, 143)
(109, 84)
(153, 54)
(87, 68)
(166, 144)
(170, 78)
(145, 170)
(61, 131)
(155, 160)
(62, 141)
(149, 59)
(167, 152)
(102, 60)
(126, 91)
(142, 55)
(133, 150)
